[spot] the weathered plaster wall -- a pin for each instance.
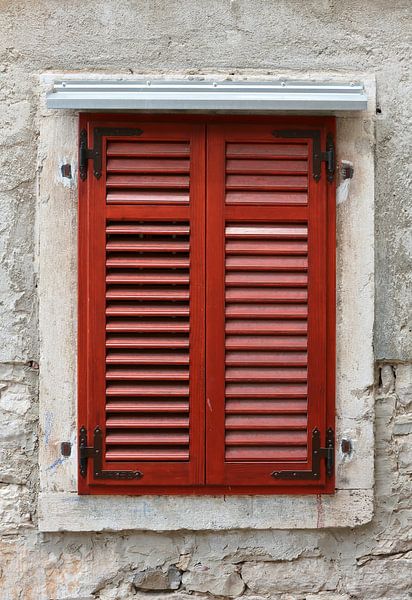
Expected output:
(265, 36)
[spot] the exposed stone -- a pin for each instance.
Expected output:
(381, 577)
(303, 575)
(13, 508)
(326, 596)
(405, 455)
(402, 425)
(403, 386)
(217, 579)
(157, 579)
(387, 379)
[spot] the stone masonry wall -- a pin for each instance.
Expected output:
(260, 37)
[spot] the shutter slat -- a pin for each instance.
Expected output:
(249, 423)
(268, 232)
(262, 311)
(146, 149)
(255, 167)
(266, 150)
(259, 342)
(266, 327)
(141, 262)
(251, 247)
(265, 182)
(147, 454)
(266, 453)
(128, 244)
(153, 278)
(265, 278)
(264, 263)
(265, 198)
(259, 374)
(148, 390)
(266, 438)
(273, 406)
(265, 358)
(165, 374)
(147, 293)
(141, 196)
(147, 181)
(154, 310)
(147, 358)
(141, 229)
(277, 294)
(259, 390)
(145, 438)
(143, 326)
(145, 406)
(161, 341)
(147, 165)
(169, 421)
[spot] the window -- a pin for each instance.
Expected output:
(206, 305)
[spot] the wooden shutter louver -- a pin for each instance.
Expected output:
(266, 342)
(148, 326)
(206, 311)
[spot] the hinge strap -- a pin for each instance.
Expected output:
(328, 453)
(317, 155)
(95, 153)
(95, 453)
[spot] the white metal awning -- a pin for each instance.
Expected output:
(192, 95)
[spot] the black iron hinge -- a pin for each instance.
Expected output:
(317, 155)
(95, 453)
(328, 453)
(95, 153)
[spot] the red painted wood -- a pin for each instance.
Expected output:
(147, 165)
(266, 150)
(270, 304)
(144, 300)
(266, 198)
(255, 167)
(267, 300)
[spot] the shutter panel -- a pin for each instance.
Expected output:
(141, 321)
(266, 284)
(270, 307)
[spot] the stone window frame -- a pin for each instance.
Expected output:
(60, 507)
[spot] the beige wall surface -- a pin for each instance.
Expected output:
(55, 546)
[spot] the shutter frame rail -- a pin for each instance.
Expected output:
(95, 452)
(328, 453)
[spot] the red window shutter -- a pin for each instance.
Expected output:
(241, 297)
(270, 306)
(141, 308)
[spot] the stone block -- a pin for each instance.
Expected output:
(403, 386)
(304, 575)
(219, 580)
(157, 579)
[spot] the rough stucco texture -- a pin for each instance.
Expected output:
(167, 36)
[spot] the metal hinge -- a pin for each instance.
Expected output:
(95, 453)
(317, 155)
(328, 453)
(95, 153)
(329, 157)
